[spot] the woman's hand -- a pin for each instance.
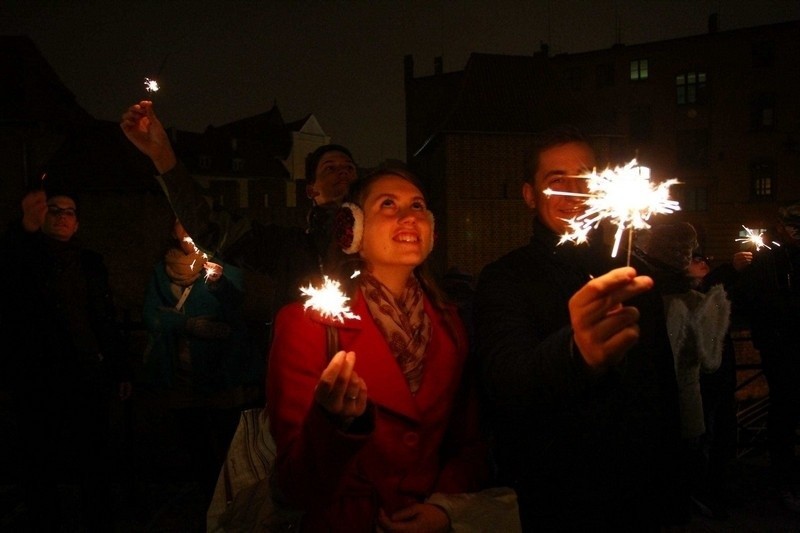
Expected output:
(340, 391)
(419, 517)
(213, 271)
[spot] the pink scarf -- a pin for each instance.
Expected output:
(403, 323)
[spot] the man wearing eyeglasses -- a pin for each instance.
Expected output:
(67, 363)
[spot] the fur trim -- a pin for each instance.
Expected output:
(349, 227)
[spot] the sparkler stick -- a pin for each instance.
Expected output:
(625, 196)
(756, 239)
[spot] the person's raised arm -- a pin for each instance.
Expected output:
(604, 330)
(144, 130)
(34, 209)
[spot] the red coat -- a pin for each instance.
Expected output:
(420, 444)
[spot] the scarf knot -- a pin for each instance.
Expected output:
(403, 323)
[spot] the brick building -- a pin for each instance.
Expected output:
(718, 111)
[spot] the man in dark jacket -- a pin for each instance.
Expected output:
(768, 292)
(291, 256)
(577, 368)
(67, 363)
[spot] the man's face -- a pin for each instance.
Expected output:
(61, 220)
(557, 169)
(335, 172)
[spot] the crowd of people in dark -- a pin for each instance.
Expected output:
(597, 390)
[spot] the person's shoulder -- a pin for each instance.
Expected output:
(517, 258)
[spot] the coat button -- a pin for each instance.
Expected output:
(411, 439)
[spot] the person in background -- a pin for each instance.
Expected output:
(576, 367)
(66, 361)
(697, 323)
(720, 489)
(367, 435)
(199, 356)
(768, 293)
(290, 256)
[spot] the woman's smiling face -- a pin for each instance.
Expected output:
(398, 228)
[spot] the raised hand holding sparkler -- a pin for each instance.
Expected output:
(625, 196)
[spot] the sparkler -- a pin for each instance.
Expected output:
(151, 85)
(625, 196)
(328, 300)
(756, 239)
(206, 264)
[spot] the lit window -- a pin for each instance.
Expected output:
(639, 69)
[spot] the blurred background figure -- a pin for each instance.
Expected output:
(697, 323)
(68, 362)
(721, 488)
(769, 293)
(199, 361)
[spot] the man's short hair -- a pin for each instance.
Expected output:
(312, 159)
(562, 134)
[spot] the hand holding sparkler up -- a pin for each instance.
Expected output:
(603, 329)
(34, 209)
(145, 131)
(340, 390)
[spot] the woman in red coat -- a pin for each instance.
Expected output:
(365, 436)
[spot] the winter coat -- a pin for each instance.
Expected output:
(697, 324)
(582, 451)
(408, 447)
(59, 315)
(217, 363)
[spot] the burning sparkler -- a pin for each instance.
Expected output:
(756, 239)
(151, 85)
(625, 196)
(328, 300)
(208, 265)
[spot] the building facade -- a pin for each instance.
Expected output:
(717, 111)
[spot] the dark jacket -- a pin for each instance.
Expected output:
(768, 293)
(219, 362)
(581, 451)
(58, 314)
(290, 256)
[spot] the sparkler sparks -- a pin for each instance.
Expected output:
(625, 196)
(756, 239)
(151, 85)
(210, 267)
(328, 300)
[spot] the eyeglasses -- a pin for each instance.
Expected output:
(701, 260)
(56, 211)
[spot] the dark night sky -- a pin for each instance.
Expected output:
(340, 60)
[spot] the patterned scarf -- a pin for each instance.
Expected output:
(182, 268)
(403, 322)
